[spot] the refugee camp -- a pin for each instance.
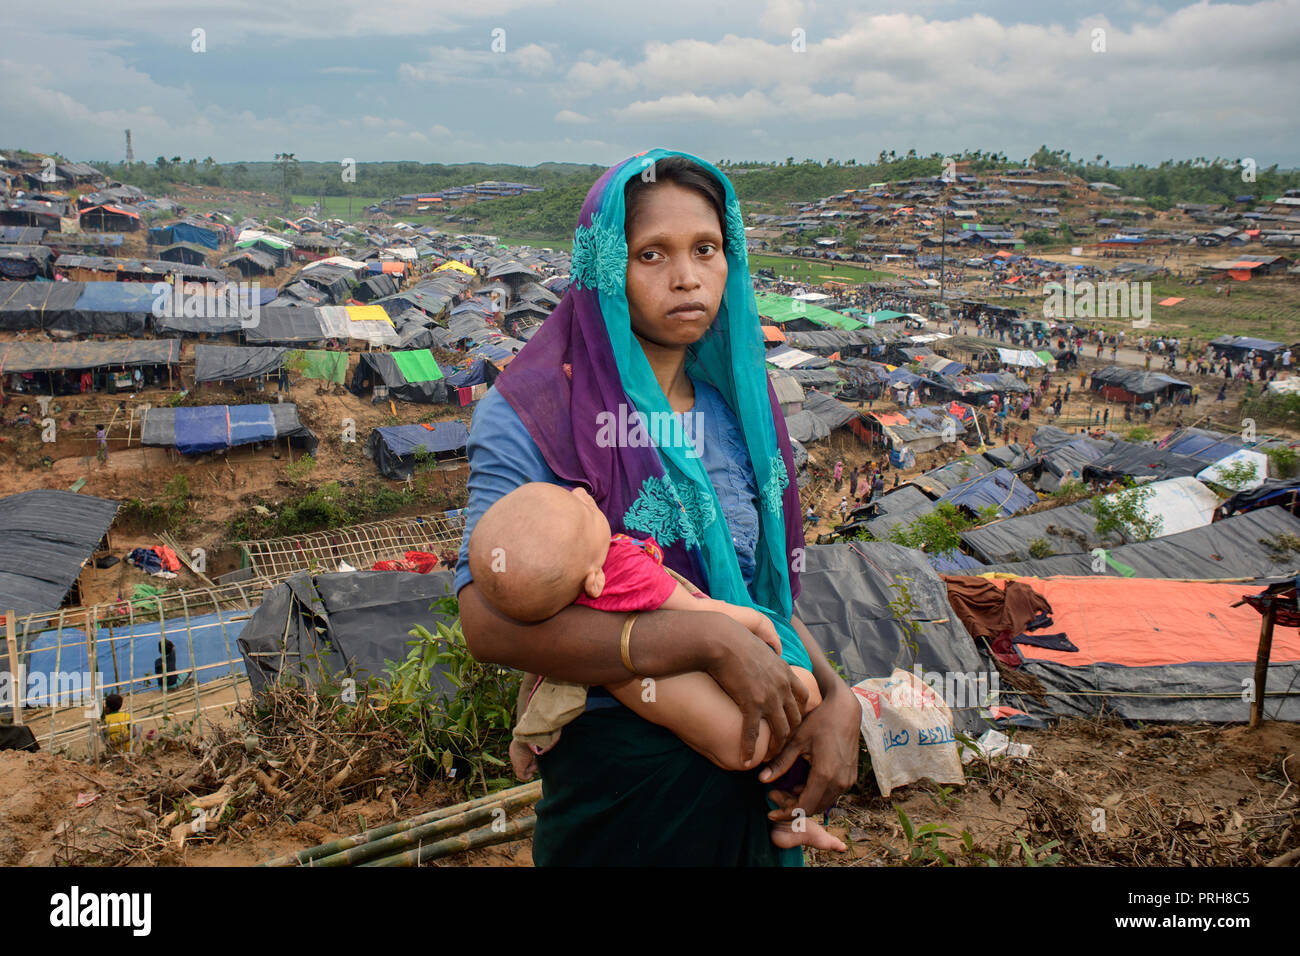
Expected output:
(959, 474)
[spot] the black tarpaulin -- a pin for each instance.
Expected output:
(37, 305)
(340, 625)
(228, 363)
(380, 368)
(846, 590)
(46, 536)
(1230, 548)
(56, 356)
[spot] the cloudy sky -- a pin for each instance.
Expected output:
(530, 81)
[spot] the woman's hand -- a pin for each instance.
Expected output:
(828, 738)
(762, 685)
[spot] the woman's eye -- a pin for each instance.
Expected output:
(706, 247)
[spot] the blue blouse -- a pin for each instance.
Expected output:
(503, 456)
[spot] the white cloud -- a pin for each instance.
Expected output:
(569, 116)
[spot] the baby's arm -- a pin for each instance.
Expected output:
(755, 621)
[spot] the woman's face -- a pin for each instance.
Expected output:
(676, 266)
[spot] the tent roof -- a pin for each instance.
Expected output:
(47, 536)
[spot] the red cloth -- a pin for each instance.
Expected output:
(417, 562)
(169, 560)
(635, 579)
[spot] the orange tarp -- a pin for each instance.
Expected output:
(1143, 622)
(772, 334)
(890, 418)
(1241, 275)
(1172, 300)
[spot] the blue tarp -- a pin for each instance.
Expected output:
(117, 297)
(131, 655)
(1201, 446)
(953, 562)
(463, 378)
(185, 232)
(1000, 488)
(408, 439)
(202, 429)
(250, 423)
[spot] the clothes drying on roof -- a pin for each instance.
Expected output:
(1128, 664)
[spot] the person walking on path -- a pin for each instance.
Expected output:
(839, 474)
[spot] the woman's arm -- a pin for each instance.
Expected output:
(581, 645)
(828, 738)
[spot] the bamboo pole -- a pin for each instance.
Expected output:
(419, 835)
(18, 686)
(460, 843)
(1261, 662)
(302, 857)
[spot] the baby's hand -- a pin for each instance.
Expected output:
(757, 622)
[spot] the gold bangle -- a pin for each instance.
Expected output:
(627, 637)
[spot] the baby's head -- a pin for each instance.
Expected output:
(537, 548)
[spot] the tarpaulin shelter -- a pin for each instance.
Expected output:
(207, 428)
(58, 356)
(397, 449)
(998, 489)
(184, 252)
(26, 262)
(48, 535)
(1127, 460)
(1180, 503)
(127, 650)
(897, 507)
(937, 482)
(1237, 347)
(39, 305)
(1207, 446)
(1133, 385)
(845, 594)
(1284, 492)
(410, 376)
(1243, 458)
(1229, 548)
(332, 626)
(1127, 665)
(229, 363)
(251, 262)
(185, 231)
(1022, 358)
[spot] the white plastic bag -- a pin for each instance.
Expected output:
(909, 731)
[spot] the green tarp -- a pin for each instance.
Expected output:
(781, 309)
(417, 365)
(318, 363)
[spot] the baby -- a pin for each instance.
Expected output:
(541, 548)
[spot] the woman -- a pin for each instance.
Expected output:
(661, 320)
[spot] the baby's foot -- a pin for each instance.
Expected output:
(522, 760)
(811, 834)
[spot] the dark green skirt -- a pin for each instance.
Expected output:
(618, 790)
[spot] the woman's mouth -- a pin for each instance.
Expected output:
(690, 312)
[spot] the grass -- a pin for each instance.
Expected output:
(821, 269)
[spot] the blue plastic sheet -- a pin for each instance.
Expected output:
(250, 423)
(126, 655)
(408, 439)
(202, 429)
